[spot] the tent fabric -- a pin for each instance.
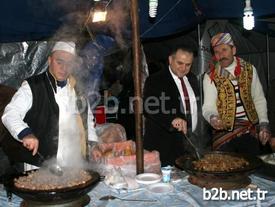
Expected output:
(40, 19)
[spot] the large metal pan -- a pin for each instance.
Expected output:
(267, 170)
(50, 196)
(185, 163)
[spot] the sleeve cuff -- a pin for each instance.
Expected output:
(24, 133)
(264, 125)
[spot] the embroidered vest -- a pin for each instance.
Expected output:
(226, 100)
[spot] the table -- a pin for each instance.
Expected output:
(184, 194)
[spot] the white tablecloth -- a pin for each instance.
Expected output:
(184, 194)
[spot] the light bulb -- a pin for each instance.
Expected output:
(100, 11)
(153, 5)
(248, 18)
(99, 16)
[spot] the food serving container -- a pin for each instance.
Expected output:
(62, 195)
(236, 178)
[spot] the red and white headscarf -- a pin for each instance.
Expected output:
(222, 38)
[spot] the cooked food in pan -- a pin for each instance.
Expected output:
(220, 162)
(44, 180)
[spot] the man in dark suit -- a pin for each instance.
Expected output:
(169, 110)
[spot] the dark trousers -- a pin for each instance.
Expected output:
(245, 144)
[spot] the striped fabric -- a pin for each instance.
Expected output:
(222, 38)
(240, 112)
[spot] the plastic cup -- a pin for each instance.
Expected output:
(166, 174)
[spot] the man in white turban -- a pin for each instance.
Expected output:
(44, 118)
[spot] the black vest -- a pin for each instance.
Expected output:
(43, 119)
(43, 116)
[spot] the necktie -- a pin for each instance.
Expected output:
(187, 103)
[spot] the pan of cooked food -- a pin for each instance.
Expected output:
(219, 164)
(43, 186)
(267, 170)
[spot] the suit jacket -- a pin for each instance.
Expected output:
(159, 135)
(271, 107)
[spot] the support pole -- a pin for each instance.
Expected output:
(268, 59)
(137, 85)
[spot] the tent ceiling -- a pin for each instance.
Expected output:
(39, 19)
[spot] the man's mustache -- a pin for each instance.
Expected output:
(222, 59)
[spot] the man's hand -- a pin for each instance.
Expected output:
(180, 124)
(216, 123)
(31, 143)
(264, 135)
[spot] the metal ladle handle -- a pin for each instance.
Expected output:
(53, 168)
(41, 157)
(198, 156)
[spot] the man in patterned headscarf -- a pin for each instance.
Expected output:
(234, 101)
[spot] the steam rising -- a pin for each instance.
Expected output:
(118, 19)
(69, 144)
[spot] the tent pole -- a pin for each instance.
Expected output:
(137, 85)
(268, 59)
(199, 36)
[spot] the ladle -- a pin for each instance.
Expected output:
(56, 169)
(53, 168)
(111, 197)
(197, 153)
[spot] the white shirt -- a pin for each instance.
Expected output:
(192, 98)
(210, 95)
(65, 97)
